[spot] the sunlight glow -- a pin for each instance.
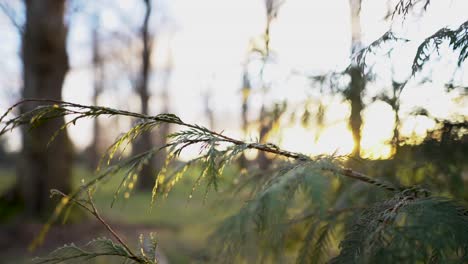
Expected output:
(377, 131)
(336, 139)
(210, 46)
(208, 43)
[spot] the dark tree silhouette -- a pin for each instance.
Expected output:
(45, 64)
(358, 82)
(147, 171)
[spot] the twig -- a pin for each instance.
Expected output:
(108, 227)
(171, 119)
(330, 212)
(10, 14)
(93, 210)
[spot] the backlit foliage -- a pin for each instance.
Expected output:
(303, 205)
(303, 209)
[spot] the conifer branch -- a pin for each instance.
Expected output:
(404, 6)
(196, 134)
(92, 210)
(212, 161)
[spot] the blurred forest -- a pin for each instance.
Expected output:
(264, 131)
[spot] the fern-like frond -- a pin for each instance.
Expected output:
(269, 210)
(360, 57)
(457, 39)
(404, 6)
(124, 140)
(148, 247)
(95, 248)
(264, 218)
(54, 109)
(411, 227)
(305, 255)
(322, 243)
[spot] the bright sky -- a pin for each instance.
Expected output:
(209, 41)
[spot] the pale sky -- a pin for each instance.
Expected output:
(209, 41)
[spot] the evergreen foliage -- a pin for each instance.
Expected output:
(403, 7)
(457, 39)
(302, 193)
(100, 246)
(298, 209)
(409, 228)
(74, 254)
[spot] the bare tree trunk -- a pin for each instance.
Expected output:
(208, 110)
(163, 130)
(396, 132)
(144, 142)
(395, 104)
(246, 89)
(358, 82)
(265, 127)
(95, 148)
(45, 64)
(268, 122)
(354, 96)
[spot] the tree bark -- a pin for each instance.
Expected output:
(45, 64)
(245, 90)
(395, 104)
(266, 126)
(144, 142)
(163, 130)
(95, 148)
(268, 122)
(354, 96)
(358, 82)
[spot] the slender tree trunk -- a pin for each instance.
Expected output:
(265, 127)
(45, 64)
(163, 130)
(95, 148)
(246, 89)
(396, 133)
(358, 82)
(144, 142)
(208, 110)
(265, 123)
(354, 96)
(268, 122)
(396, 112)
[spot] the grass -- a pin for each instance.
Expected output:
(7, 178)
(182, 225)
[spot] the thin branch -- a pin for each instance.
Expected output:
(108, 227)
(93, 210)
(330, 212)
(172, 119)
(10, 14)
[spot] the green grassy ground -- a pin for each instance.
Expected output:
(182, 225)
(7, 178)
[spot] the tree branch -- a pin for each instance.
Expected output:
(93, 111)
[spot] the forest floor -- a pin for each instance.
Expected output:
(181, 225)
(14, 239)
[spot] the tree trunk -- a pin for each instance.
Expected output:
(358, 82)
(265, 127)
(246, 89)
(144, 142)
(208, 110)
(45, 64)
(95, 148)
(163, 130)
(354, 96)
(395, 104)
